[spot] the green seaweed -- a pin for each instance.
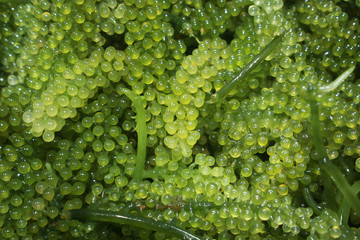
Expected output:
(259, 58)
(329, 170)
(141, 133)
(131, 219)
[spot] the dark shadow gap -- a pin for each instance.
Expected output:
(116, 40)
(228, 36)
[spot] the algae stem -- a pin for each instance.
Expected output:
(248, 68)
(311, 201)
(327, 166)
(141, 132)
(333, 85)
(133, 220)
(344, 210)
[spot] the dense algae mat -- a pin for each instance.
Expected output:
(179, 119)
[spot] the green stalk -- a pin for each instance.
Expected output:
(315, 129)
(344, 210)
(133, 220)
(337, 81)
(141, 132)
(248, 68)
(319, 146)
(342, 185)
(243, 3)
(328, 167)
(310, 201)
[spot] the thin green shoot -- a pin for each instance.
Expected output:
(49, 168)
(342, 184)
(333, 85)
(311, 201)
(130, 219)
(317, 141)
(344, 210)
(248, 68)
(141, 133)
(316, 128)
(243, 3)
(188, 29)
(327, 166)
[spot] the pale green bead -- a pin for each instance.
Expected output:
(48, 136)
(50, 124)
(28, 117)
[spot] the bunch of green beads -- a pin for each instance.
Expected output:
(269, 17)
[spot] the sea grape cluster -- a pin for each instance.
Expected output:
(118, 106)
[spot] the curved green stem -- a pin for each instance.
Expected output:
(248, 68)
(141, 132)
(319, 146)
(133, 220)
(49, 168)
(316, 129)
(327, 166)
(311, 201)
(244, 3)
(344, 210)
(337, 81)
(342, 184)
(156, 173)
